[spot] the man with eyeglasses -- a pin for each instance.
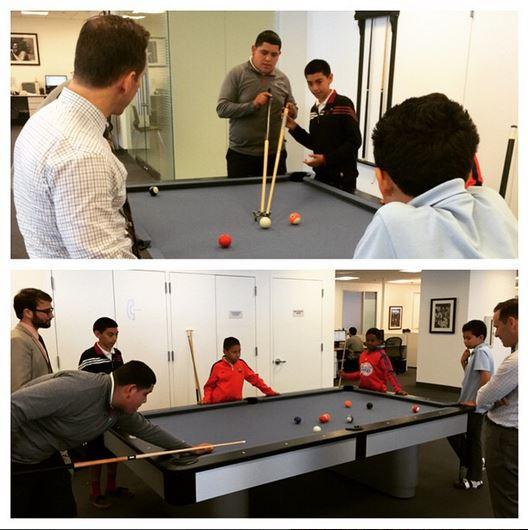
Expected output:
(29, 356)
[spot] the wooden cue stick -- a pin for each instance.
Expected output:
(384, 68)
(342, 360)
(277, 159)
(265, 168)
(116, 459)
(196, 381)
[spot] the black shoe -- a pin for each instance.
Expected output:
(120, 493)
(466, 484)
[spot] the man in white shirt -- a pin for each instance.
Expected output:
(501, 426)
(69, 188)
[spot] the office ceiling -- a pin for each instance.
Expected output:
(376, 276)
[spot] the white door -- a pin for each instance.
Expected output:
(296, 334)
(79, 298)
(141, 314)
(235, 317)
(192, 307)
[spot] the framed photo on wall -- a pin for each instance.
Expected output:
(395, 316)
(24, 49)
(442, 317)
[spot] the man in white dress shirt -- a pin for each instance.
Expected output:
(501, 425)
(69, 188)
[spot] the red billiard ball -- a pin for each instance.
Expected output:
(295, 218)
(324, 418)
(224, 240)
(415, 408)
(348, 403)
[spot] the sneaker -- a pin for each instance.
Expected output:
(100, 501)
(120, 493)
(466, 484)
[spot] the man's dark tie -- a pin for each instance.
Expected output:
(41, 340)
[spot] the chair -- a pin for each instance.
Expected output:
(146, 128)
(394, 349)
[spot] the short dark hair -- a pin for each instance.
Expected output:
(424, 142)
(108, 47)
(268, 36)
(134, 373)
(378, 333)
(476, 327)
(508, 308)
(28, 299)
(229, 342)
(352, 330)
(316, 66)
(104, 323)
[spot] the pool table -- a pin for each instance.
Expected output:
(277, 448)
(186, 217)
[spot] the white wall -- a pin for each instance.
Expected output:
(57, 38)
(477, 293)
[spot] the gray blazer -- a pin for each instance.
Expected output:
(28, 358)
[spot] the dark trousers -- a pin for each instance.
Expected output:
(338, 179)
(502, 456)
(239, 165)
(468, 446)
(42, 493)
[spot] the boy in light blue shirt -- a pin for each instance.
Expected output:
(424, 148)
(478, 368)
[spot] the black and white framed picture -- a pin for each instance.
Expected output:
(395, 316)
(156, 51)
(442, 318)
(24, 49)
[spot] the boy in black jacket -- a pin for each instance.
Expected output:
(334, 135)
(103, 357)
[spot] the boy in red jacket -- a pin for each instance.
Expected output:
(375, 367)
(228, 374)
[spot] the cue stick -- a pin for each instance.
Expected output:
(126, 458)
(384, 67)
(265, 168)
(368, 89)
(342, 360)
(277, 158)
(196, 381)
(507, 161)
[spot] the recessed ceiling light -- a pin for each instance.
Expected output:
(346, 278)
(411, 271)
(414, 281)
(134, 17)
(37, 13)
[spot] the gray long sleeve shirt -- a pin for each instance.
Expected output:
(63, 410)
(247, 125)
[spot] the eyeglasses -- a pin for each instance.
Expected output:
(48, 311)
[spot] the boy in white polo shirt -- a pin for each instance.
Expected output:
(424, 148)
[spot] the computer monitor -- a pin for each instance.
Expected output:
(53, 81)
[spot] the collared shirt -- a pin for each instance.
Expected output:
(63, 410)
(480, 360)
(247, 124)
(321, 106)
(447, 221)
(504, 384)
(68, 185)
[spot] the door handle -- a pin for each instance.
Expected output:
(278, 361)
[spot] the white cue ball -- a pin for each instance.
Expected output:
(316, 429)
(265, 222)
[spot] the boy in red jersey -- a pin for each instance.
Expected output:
(228, 375)
(375, 367)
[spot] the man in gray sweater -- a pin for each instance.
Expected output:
(246, 92)
(61, 411)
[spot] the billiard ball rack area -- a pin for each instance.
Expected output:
(258, 463)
